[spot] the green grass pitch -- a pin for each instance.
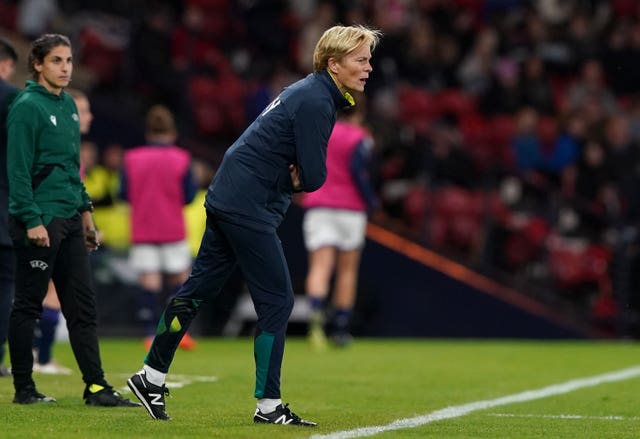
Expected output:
(370, 384)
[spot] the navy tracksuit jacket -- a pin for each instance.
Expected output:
(245, 203)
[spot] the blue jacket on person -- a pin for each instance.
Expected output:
(253, 185)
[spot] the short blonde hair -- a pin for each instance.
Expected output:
(339, 41)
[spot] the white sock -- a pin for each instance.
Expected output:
(154, 376)
(266, 405)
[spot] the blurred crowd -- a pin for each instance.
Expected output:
(507, 131)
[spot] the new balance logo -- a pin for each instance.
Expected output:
(156, 399)
(38, 264)
(283, 420)
(271, 106)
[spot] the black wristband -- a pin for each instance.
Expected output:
(87, 208)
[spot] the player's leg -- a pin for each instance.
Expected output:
(344, 295)
(176, 264)
(146, 261)
(352, 227)
(321, 266)
(211, 268)
(266, 273)
(45, 335)
(320, 237)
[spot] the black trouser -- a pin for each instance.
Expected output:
(7, 267)
(264, 268)
(66, 261)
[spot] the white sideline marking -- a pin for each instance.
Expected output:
(464, 409)
(595, 418)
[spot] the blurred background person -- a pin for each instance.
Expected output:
(102, 180)
(195, 217)
(334, 227)
(157, 182)
(8, 58)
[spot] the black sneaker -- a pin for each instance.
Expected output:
(281, 415)
(30, 395)
(105, 396)
(150, 395)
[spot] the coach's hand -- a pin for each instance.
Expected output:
(91, 235)
(92, 239)
(294, 171)
(38, 236)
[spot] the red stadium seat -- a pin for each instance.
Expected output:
(8, 15)
(104, 60)
(417, 108)
(456, 218)
(455, 102)
(215, 104)
(574, 265)
(416, 206)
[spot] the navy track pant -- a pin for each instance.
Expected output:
(264, 268)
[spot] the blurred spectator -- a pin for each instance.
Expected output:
(504, 95)
(418, 65)
(193, 48)
(568, 145)
(623, 155)
(475, 69)
(155, 74)
(591, 86)
(633, 114)
(555, 12)
(111, 214)
(590, 193)
(8, 58)
(322, 19)
(581, 39)
(536, 90)
(448, 163)
(527, 146)
(620, 54)
(158, 183)
(36, 17)
(334, 229)
(448, 53)
(269, 28)
(195, 216)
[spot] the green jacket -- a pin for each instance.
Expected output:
(43, 160)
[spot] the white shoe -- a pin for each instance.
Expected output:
(51, 368)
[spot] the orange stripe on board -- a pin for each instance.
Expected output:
(467, 276)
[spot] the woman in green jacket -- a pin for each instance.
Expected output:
(50, 222)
